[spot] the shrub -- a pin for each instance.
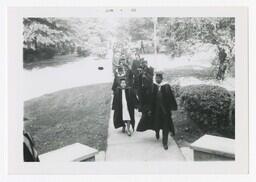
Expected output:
(46, 53)
(176, 90)
(83, 52)
(208, 106)
(30, 55)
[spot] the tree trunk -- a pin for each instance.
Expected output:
(222, 66)
(35, 42)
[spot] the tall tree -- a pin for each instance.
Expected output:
(180, 34)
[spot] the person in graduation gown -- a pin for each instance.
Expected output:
(136, 70)
(124, 104)
(145, 82)
(122, 71)
(159, 115)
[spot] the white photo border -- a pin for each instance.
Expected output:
(15, 89)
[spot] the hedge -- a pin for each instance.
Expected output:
(30, 55)
(176, 90)
(209, 107)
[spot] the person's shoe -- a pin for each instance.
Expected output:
(165, 147)
(129, 133)
(157, 135)
(123, 129)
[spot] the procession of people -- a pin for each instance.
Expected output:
(137, 86)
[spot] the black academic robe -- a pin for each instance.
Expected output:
(135, 71)
(132, 103)
(145, 82)
(158, 119)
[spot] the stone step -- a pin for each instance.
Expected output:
(76, 152)
(210, 147)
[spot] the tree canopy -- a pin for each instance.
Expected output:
(180, 35)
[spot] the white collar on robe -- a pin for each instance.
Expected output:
(161, 84)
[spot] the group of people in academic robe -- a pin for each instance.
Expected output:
(138, 87)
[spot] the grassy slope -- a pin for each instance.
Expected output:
(73, 115)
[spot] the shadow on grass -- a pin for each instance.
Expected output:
(69, 116)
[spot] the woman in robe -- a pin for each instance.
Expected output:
(124, 104)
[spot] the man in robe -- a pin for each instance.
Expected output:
(136, 70)
(124, 104)
(160, 112)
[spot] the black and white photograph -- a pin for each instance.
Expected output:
(129, 89)
(124, 87)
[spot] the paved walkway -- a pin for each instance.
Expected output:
(141, 146)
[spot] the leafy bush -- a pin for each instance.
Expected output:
(81, 51)
(176, 90)
(46, 53)
(208, 106)
(30, 55)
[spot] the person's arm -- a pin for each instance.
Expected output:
(114, 85)
(134, 97)
(171, 97)
(152, 100)
(114, 102)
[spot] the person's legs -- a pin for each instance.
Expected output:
(132, 122)
(157, 134)
(129, 133)
(166, 129)
(123, 129)
(165, 138)
(172, 129)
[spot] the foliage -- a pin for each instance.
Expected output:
(43, 32)
(208, 106)
(81, 51)
(134, 30)
(141, 29)
(64, 35)
(176, 90)
(84, 35)
(183, 35)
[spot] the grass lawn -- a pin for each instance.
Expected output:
(186, 130)
(188, 71)
(73, 115)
